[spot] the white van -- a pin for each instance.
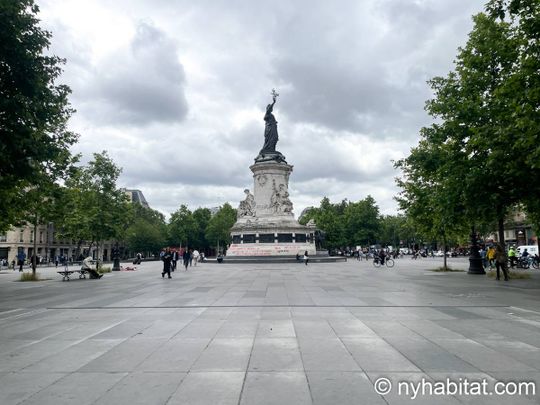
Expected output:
(532, 249)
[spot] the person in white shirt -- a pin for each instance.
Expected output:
(195, 256)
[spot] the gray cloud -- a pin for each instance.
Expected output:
(351, 76)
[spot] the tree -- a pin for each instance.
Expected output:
(362, 222)
(95, 209)
(143, 236)
(34, 110)
(463, 170)
(148, 232)
(219, 226)
(522, 94)
(202, 217)
(329, 218)
(182, 227)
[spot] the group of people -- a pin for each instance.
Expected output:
(495, 257)
(170, 259)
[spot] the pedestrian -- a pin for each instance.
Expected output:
(186, 258)
(190, 257)
(512, 256)
(501, 262)
(483, 256)
(195, 257)
(167, 259)
(174, 259)
(21, 257)
(491, 256)
(56, 261)
(306, 257)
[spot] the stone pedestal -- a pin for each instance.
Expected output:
(269, 228)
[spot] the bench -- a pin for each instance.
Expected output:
(66, 273)
(82, 274)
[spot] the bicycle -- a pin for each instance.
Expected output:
(377, 262)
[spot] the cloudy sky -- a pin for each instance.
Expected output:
(175, 90)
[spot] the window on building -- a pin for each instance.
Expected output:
(300, 238)
(3, 237)
(250, 238)
(31, 236)
(21, 236)
(40, 236)
(236, 239)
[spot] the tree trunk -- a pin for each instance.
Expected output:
(501, 232)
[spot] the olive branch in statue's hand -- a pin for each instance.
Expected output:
(275, 94)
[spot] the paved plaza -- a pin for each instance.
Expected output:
(267, 334)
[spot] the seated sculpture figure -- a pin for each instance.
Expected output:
(247, 207)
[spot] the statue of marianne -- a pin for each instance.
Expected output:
(270, 129)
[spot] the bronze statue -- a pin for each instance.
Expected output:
(268, 151)
(270, 129)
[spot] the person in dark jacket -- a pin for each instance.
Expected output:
(174, 259)
(501, 262)
(167, 259)
(186, 257)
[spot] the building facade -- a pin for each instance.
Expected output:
(48, 244)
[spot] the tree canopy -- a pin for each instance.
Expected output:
(476, 161)
(34, 110)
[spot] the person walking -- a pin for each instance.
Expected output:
(21, 257)
(195, 257)
(167, 259)
(306, 257)
(186, 258)
(174, 259)
(501, 262)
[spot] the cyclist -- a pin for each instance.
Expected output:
(382, 256)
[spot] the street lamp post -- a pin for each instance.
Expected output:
(475, 261)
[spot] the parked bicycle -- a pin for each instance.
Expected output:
(388, 262)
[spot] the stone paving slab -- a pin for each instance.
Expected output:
(266, 334)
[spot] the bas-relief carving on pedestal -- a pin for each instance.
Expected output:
(280, 201)
(262, 179)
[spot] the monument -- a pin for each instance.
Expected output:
(265, 223)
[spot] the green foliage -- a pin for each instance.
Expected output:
(219, 226)
(144, 236)
(362, 222)
(350, 224)
(33, 111)
(474, 163)
(182, 227)
(202, 218)
(94, 209)
(148, 231)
